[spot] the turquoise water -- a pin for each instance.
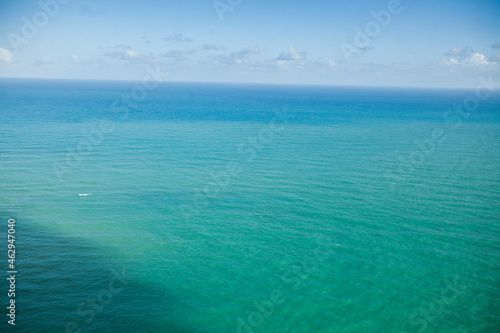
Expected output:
(246, 208)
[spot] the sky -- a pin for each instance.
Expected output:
(411, 43)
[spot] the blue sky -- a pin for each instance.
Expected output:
(446, 43)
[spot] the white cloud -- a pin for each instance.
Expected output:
(291, 59)
(474, 59)
(239, 57)
(130, 54)
(450, 61)
(178, 55)
(123, 55)
(460, 52)
(468, 58)
(250, 50)
(44, 61)
(76, 60)
(244, 55)
(5, 56)
(291, 55)
(123, 47)
(210, 47)
(177, 38)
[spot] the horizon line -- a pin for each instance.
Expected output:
(250, 83)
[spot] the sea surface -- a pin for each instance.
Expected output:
(231, 208)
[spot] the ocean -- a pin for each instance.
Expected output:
(236, 208)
